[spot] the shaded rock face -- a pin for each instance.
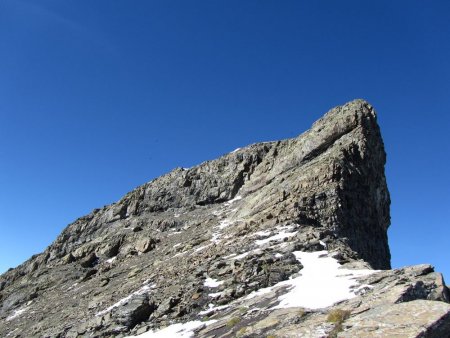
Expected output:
(196, 240)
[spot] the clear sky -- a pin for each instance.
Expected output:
(98, 97)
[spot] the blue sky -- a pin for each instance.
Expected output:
(98, 97)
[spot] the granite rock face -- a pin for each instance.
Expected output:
(221, 241)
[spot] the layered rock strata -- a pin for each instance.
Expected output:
(195, 243)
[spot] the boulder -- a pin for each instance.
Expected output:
(136, 310)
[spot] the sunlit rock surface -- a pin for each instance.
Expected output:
(285, 238)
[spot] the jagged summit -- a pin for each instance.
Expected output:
(201, 243)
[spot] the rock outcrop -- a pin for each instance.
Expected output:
(226, 248)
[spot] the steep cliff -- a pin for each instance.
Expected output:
(226, 240)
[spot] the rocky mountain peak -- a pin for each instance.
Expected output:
(234, 246)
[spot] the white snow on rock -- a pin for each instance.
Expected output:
(72, 286)
(242, 255)
(217, 212)
(125, 300)
(279, 236)
(180, 254)
(202, 248)
(322, 283)
(111, 260)
(215, 238)
(212, 308)
(212, 283)
(215, 294)
(261, 292)
(176, 330)
(262, 233)
(16, 314)
(223, 224)
(245, 254)
(236, 198)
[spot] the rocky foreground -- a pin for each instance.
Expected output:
(278, 239)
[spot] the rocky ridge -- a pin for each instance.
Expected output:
(222, 248)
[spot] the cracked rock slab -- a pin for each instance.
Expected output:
(418, 318)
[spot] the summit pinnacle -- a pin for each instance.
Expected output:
(275, 238)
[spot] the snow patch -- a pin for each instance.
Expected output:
(245, 254)
(212, 283)
(212, 308)
(242, 255)
(223, 224)
(262, 233)
(111, 260)
(176, 330)
(217, 212)
(202, 248)
(72, 286)
(125, 300)
(236, 198)
(16, 314)
(215, 238)
(279, 236)
(260, 292)
(321, 284)
(215, 294)
(180, 254)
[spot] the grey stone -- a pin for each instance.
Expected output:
(418, 318)
(111, 249)
(143, 262)
(144, 245)
(166, 306)
(89, 261)
(135, 311)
